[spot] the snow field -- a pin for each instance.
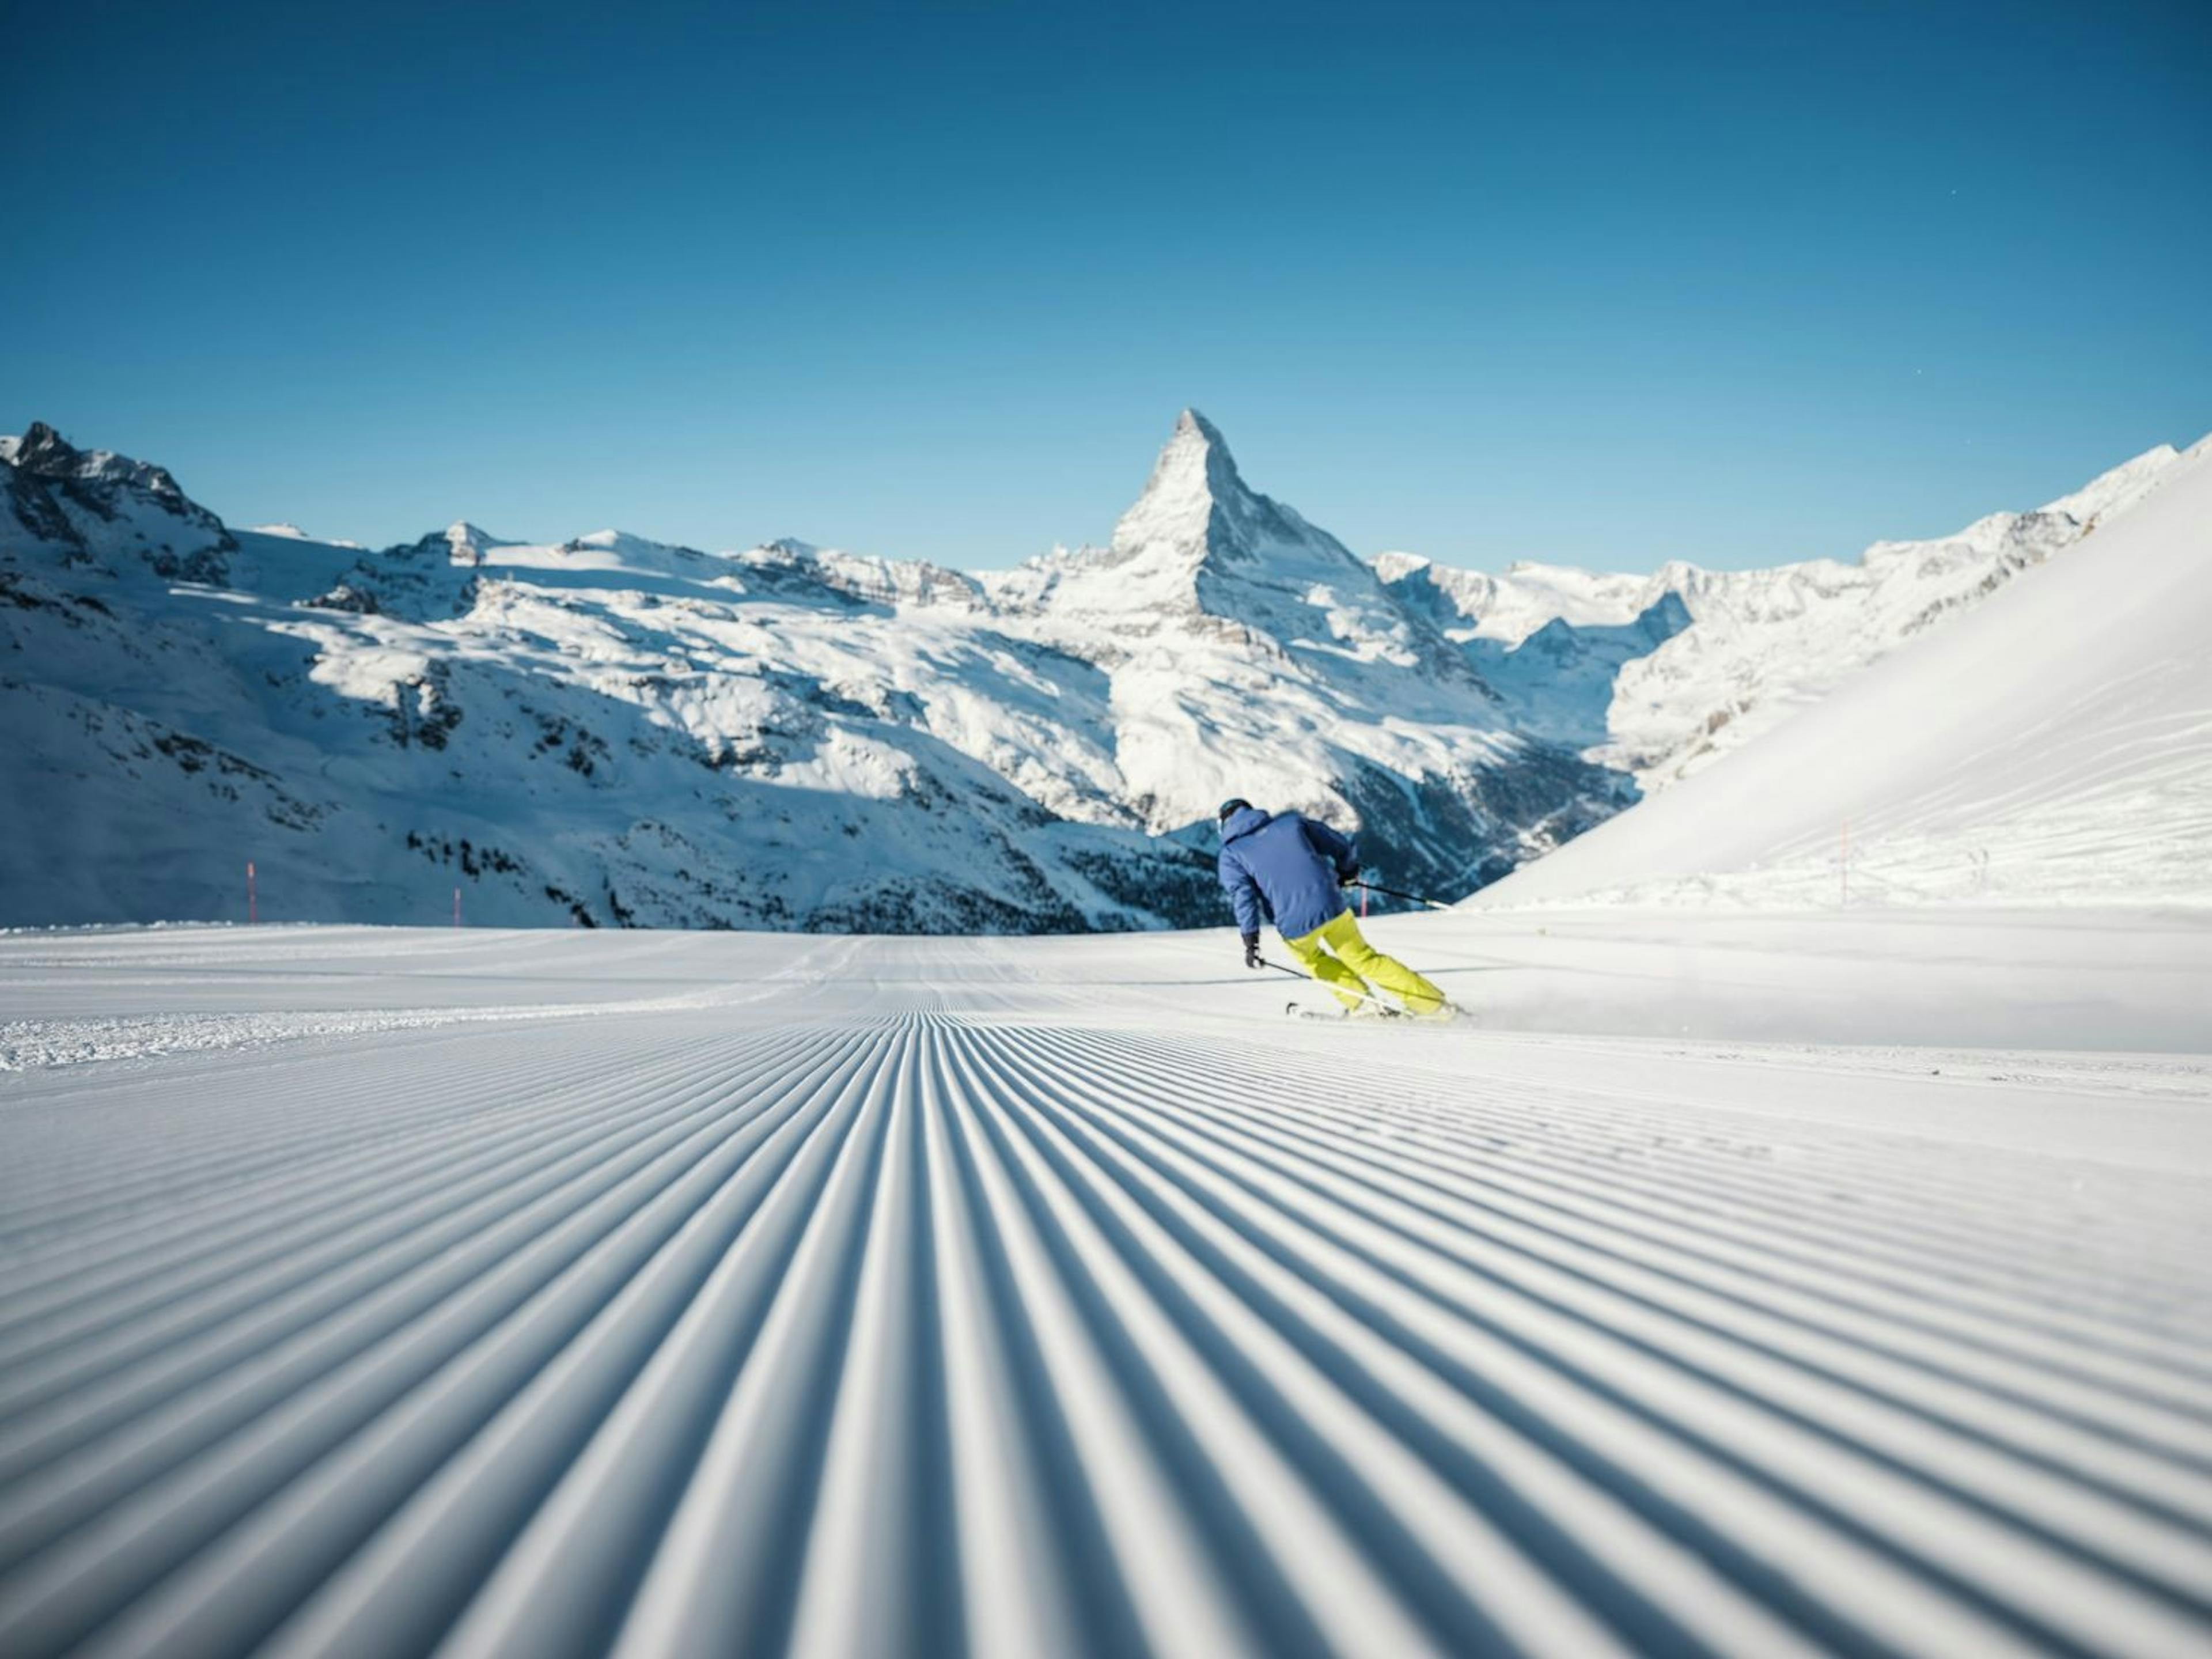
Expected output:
(1014, 1296)
(2053, 745)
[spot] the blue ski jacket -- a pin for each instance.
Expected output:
(1287, 867)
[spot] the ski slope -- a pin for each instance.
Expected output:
(377, 1292)
(2052, 745)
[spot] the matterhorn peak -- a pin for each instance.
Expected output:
(1202, 546)
(1191, 427)
(1194, 477)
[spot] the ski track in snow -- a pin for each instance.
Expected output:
(1043, 1297)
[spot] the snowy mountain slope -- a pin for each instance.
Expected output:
(293, 533)
(1054, 1296)
(615, 730)
(1199, 546)
(95, 508)
(612, 729)
(608, 730)
(1661, 675)
(1253, 654)
(2053, 745)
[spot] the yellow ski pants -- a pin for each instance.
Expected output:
(1335, 954)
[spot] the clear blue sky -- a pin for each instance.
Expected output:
(1607, 283)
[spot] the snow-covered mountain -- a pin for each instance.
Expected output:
(1660, 675)
(614, 730)
(1250, 653)
(2053, 746)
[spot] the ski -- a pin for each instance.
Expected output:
(1449, 1014)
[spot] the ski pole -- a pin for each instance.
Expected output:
(1415, 898)
(1316, 979)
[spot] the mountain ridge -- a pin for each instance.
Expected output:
(1695, 663)
(617, 730)
(614, 730)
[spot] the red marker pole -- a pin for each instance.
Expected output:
(457, 907)
(253, 913)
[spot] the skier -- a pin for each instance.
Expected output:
(1289, 868)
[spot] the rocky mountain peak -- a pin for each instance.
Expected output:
(1202, 550)
(44, 452)
(99, 503)
(1193, 494)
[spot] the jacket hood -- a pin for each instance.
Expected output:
(1242, 822)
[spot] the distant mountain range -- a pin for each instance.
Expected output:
(613, 730)
(2051, 748)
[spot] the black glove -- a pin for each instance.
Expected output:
(1252, 951)
(1350, 877)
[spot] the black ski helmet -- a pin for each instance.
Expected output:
(1234, 804)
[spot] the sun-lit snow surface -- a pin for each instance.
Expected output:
(539, 1294)
(1662, 674)
(2053, 745)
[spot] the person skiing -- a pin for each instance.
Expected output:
(1290, 868)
